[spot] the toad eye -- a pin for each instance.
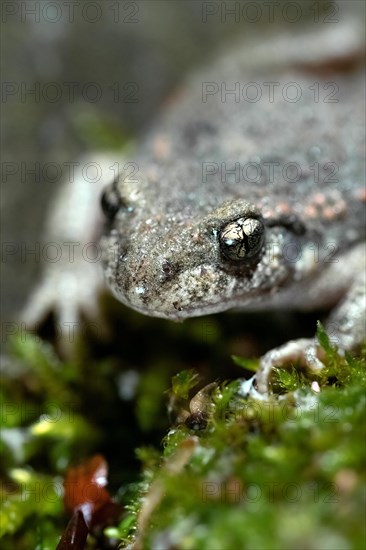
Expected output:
(111, 201)
(241, 239)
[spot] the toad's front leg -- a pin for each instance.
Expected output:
(346, 327)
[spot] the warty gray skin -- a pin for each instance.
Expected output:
(163, 256)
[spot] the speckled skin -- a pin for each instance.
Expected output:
(163, 256)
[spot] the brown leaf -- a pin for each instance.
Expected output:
(84, 487)
(75, 534)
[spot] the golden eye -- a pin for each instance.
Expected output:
(241, 239)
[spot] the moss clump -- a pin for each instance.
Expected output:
(284, 472)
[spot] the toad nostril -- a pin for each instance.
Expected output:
(167, 269)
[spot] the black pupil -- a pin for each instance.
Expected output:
(110, 203)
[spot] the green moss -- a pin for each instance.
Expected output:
(286, 472)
